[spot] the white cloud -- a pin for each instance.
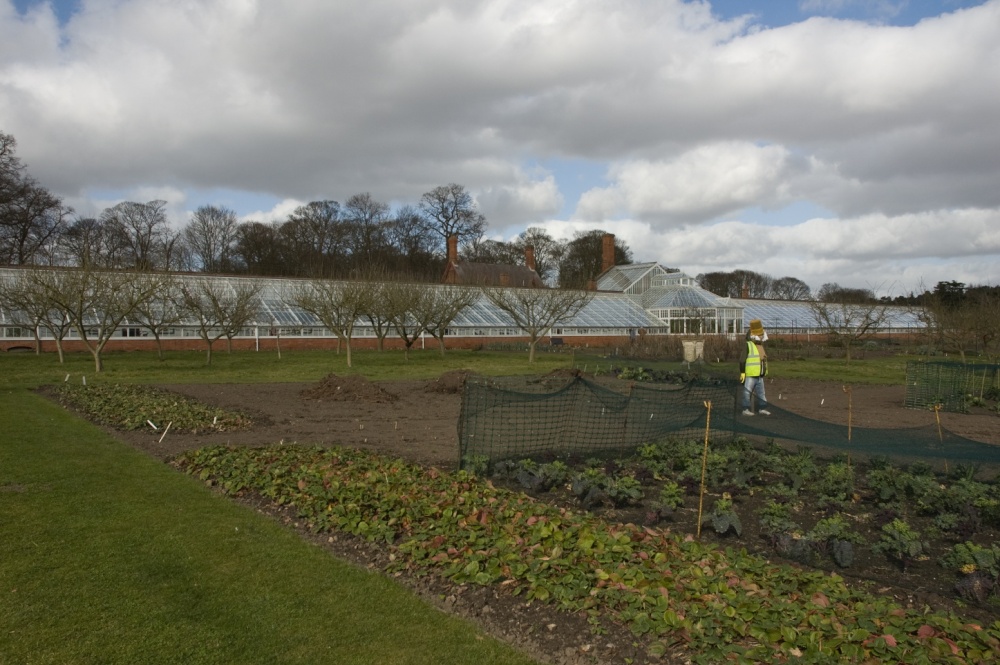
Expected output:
(523, 203)
(700, 184)
(695, 118)
(278, 213)
(895, 252)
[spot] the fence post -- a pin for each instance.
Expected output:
(704, 464)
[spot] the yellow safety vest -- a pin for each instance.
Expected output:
(755, 365)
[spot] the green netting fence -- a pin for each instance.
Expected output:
(518, 417)
(952, 385)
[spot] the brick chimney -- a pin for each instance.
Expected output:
(453, 250)
(529, 257)
(607, 252)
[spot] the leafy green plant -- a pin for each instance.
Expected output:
(921, 469)
(716, 468)
(588, 486)
(799, 468)
(889, 483)
(969, 557)
(477, 465)
(900, 542)
(835, 484)
(634, 374)
(975, 401)
(655, 458)
(835, 536)
(979, 567)
(133, 407)
(505, 469)
(946, 522)
(776, 519)
(623, 490)
(723, 517)
(542, 477)
(671, 498)
(879, 463)
(781, 493)
(723, 605)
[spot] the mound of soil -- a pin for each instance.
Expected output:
(449, 383)
(348, 389)
(570, 372)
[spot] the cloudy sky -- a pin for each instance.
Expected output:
(847, 141)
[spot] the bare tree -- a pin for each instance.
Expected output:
(139, 235)
(535, 311)
(338, 305)
(790, 288)
(960, 317)
(258, 249)
(852, 323)
(835, 293)
(211, 237)
(582, 261)
(84, 243)
(30, 225)
(379, 310)
(27, 304)
(368, 221)
(494, 251)
(408, 311)
(161, 310)
(95, 302)
(737, 284)
(440, 306)
(548, 251)
(314, 239)
(414, 245)
(986, 305)
(448, 211)
(220, 307)
(31, 217)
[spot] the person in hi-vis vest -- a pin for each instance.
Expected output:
(753, 369)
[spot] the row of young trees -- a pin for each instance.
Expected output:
(95, 303)
(963, 318)
(956, 318)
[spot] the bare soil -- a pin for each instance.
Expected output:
(417, 420)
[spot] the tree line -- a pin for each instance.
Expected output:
(761, 286)
(325, 238)
(95, 303)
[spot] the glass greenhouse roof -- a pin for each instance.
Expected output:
(799, 314)
(620, 278)
(605, 310)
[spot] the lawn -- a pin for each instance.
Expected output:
(107, 556)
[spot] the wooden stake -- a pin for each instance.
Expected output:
(704, 464)
(937, 416)
(850, 411)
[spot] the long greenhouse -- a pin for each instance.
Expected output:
(630, 300)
